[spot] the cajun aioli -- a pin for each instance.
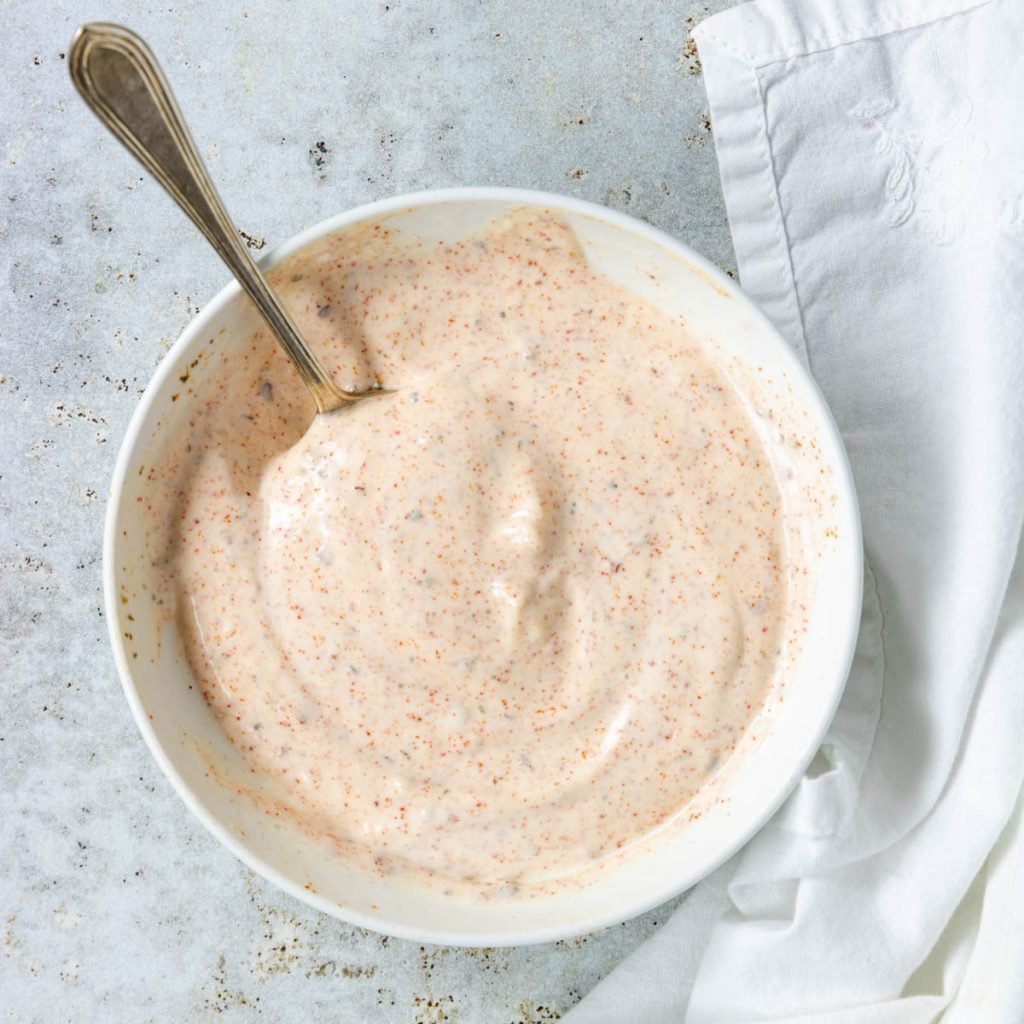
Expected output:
(491, 628)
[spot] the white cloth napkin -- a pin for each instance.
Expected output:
(872, 158)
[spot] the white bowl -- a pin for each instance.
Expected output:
(822, 517)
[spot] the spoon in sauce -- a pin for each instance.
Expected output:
(119, 78)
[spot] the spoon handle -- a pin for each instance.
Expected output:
(119, 78)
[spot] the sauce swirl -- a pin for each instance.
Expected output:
(492, 628)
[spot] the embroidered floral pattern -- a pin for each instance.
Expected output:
(939, 173)
(899, 181)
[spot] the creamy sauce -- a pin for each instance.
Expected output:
(491, 629)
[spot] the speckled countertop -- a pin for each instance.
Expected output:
(115, 905)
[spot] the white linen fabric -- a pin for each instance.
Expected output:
(872, 159)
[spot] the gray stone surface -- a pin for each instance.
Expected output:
(114, 904)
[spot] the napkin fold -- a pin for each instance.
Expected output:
(872, 160)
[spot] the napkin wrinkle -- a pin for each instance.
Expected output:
(992, 987)
(941, 971)
(771, 904)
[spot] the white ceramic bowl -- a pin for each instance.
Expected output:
(821, 511)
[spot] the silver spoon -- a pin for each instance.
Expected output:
(120, 80)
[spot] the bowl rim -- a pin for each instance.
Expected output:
(851, 536)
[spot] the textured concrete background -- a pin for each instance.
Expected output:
(114, 904)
